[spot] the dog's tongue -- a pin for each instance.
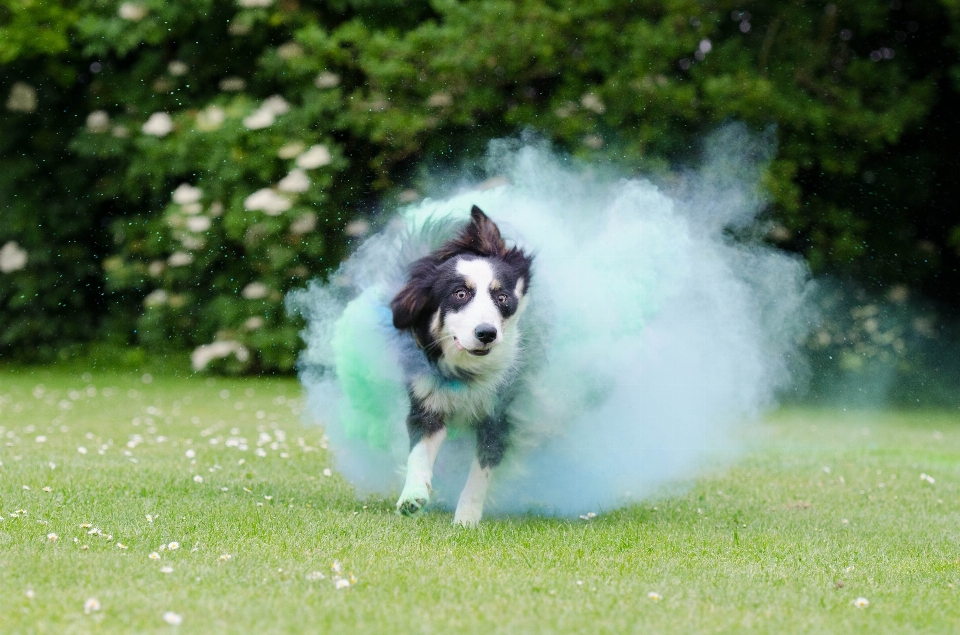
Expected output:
(457, 342)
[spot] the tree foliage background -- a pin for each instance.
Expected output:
(169, 170)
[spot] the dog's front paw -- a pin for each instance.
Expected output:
(412, 501)
(468, 515)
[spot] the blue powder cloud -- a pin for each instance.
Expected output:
(656, 333)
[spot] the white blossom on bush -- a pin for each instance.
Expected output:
(232, 84)
(304, 224)
(289, 51)
(177, 68)
(159, 125)
(216, 209)
(267, 201)
(12, 257)
(23, 98)
(157, 297)
(254, 323)
(98, 121)
(191, 208)
(156, 268)
(296, 181)
(250, 4)
(211, 118)
(290, 150)
(261, 118)
(133, 11)
(179, 259)
(198, 223)
(201, 356)
(317, 156)
(326, 79)
(276, 104)
(186, 194)
(255, 291)
(357, 228)
(440, 100)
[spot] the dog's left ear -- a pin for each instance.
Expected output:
(482, 235)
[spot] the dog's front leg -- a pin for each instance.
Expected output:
(427, 432)
(492, 435)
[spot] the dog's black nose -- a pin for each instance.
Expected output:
(486, 333)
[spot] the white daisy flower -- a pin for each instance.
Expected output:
(197, 479)
(861, 603)
(173, 546)
(327, 471)
(52, 537)
(154, 555)
(91, 605)
(166, 569)
(653, 595)
(174, 619)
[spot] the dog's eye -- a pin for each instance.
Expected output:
(460, 294)
(502, 298)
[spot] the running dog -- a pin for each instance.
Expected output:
(461, 305)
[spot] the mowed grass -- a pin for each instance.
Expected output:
(824, 508)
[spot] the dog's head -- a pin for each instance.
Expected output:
(460, 301)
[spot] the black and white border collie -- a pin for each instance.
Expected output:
(461, 305)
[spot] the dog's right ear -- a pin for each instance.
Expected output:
(413, 299)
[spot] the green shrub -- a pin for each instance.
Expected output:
(184, 165)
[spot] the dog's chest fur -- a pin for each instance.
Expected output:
(465, 400)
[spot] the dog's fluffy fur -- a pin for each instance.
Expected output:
(460, 306)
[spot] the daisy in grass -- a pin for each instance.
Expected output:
(653, 595)
(861, 603)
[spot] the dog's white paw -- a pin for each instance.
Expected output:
(413, 500)
(468, 515)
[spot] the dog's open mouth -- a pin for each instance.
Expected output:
(480, 352)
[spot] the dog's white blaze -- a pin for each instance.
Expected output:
(470, 506)
(480, 310)
(420, 467)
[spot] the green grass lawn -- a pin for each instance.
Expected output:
(824, 508)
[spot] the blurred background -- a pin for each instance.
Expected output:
(169, 170)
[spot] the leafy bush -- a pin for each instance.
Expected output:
(171, 170)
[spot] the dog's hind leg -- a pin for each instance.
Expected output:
(492, 437)
(427, 432)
